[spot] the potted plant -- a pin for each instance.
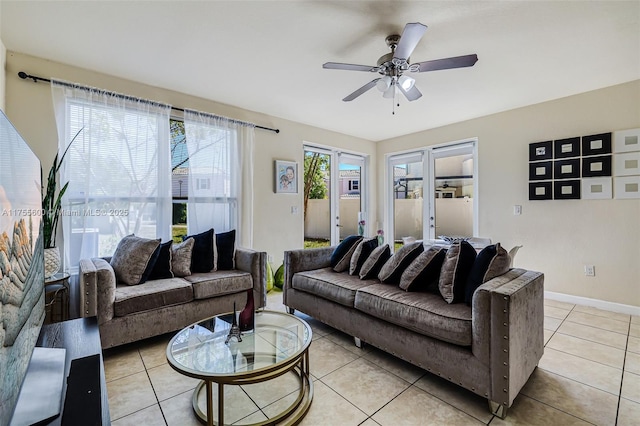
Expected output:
(51, 206)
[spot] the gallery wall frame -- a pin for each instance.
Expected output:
(597, 188)
(541, 151)
(627, 164)
(566, 169)
(542, 170)
(566, 189)
(541, 190)
(627, 140)
(596, 144)
(285, 177)
(627, 187)
(566, 148)
(596, 166)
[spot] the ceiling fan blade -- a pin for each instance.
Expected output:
(411, 94)
(361, 90)
(348, 67)
(447, 63)
(411, 35)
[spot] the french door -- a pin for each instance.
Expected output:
(432, 192)
(335, 195)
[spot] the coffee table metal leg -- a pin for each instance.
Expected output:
(220, 404)
(209, 386)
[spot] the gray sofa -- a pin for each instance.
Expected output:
(130, 313)
(490, 347)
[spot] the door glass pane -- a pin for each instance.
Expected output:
(408, 186)
(349, 190)
(453, 194)
(317, 199)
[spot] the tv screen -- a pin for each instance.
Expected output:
(21, 262)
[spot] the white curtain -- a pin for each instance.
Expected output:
(117, 169)
(220, 189)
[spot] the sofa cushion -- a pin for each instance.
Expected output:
(162, 267)
(328, 284)
(378, 257)
(133, 259)
(181, 258)
(424, 313)
(151, 295)
(344, 249)
(202, 259)
(455, 271)
(423, 273)
(225, 249)
(395, 266)
(361, 254)
(491, 262)
(345, 261)
(218, 283)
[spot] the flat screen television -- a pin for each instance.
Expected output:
(21, 263)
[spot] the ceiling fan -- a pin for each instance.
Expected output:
(392, 66)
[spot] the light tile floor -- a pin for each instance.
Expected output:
(589, 374)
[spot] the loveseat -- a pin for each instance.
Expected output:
(490, 347)
(127, 313)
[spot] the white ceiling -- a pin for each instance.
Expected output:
(267, 56)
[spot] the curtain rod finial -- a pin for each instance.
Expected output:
(23, 75)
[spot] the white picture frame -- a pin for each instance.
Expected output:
(286, 177)
(597, 188)
(626, 140)
(626, 164)
(627, 187)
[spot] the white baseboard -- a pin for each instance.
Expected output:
(596, 303)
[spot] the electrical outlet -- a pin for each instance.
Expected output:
(590, 270)
(517, 210)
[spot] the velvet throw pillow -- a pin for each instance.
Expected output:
(455, 271)
(395, 266)
(181, 258)
(423, 273)
(491, 262)
(162, 267)
(133, 259)
(225, 250)
(361, 253)
(342, 254)
(378, 257)
(203, 252)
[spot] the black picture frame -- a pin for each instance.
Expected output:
(566, 148)
(542, 170)
(566, 169)
(566, 189)
(540, 190)
(540, 151)
(596, 166)
(602, 147)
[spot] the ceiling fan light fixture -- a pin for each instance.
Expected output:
(390, 92)
(406, 83)
(384, 83)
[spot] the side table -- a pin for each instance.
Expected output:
(56, 289)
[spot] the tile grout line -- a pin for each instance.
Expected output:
(146, 370)
(624, 361)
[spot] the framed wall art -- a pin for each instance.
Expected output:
(566, 148)
(541, 151)
(566, 189)
(626, 187)
(566, 169)
(627, 140)
(540, 191)
(596, 166)
(596, 144)
(286, 177)
(597, 188)
(541, 170)
(627, 164)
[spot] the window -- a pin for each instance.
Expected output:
(354, 185)
(203, 183)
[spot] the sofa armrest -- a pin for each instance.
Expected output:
(304, 260)
(97, 289)
(255, 263)
(508, 324)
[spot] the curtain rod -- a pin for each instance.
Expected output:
(23, 75)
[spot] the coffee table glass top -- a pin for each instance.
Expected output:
(200, 350)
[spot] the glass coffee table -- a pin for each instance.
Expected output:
(279, 344)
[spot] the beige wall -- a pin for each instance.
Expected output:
(559, 237)
(29, 107)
